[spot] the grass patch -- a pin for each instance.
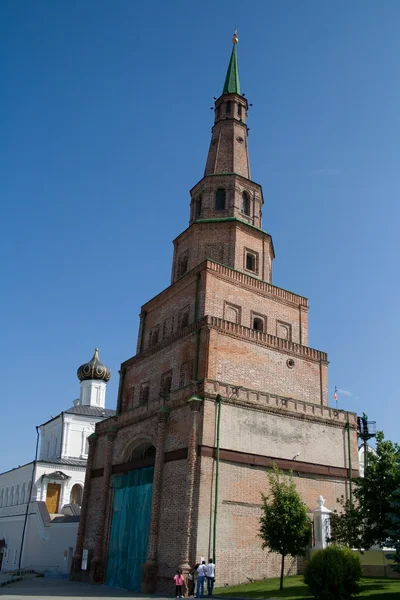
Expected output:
(295, 588)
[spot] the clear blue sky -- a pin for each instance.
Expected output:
(105, 125)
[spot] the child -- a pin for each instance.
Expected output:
(179, 581)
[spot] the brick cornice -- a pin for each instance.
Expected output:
(263, 401)
(265, 288)
(265, 339)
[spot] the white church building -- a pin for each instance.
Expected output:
(40, 501)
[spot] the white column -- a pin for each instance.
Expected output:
(322, 525)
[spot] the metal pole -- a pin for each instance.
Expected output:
(365, 456)
(350, 467)
(216, 478)
(29, 498)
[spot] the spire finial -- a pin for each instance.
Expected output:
(232, 83)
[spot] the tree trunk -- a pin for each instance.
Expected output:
(282, 571)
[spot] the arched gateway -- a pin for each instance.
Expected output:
(132, 496)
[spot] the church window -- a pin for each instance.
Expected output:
(154, 335)
(220, 199)
(86, 445)
(183, 319)
(166, 383)
(239, 109)
(1, 498)
(76, 495)
(12, 496)
(198, 207)
(144, 392)
(251, 262)
(228, 107)
(245, 204)
(6, 498)
(17, 495)
(48, 449)
(183, 263)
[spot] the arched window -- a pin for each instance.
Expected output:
(228, 107)
(1, 498)
(23, 491)
(258, 324)
(12, 496)
(220, 199)
(245, 204)
(6, 498)
(76, 495)
(17, 495)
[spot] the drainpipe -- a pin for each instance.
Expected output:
(62, 434)
(219, 399)
(350, 468)
(197, 332)
(29, 498)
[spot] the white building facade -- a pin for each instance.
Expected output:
(40, 501)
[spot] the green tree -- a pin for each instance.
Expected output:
(285, 526)
(394, 529)
(367, 522)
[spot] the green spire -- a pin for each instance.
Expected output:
(232, 83)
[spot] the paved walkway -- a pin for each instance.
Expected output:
(42, 588)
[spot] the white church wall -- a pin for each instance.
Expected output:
(50, 439)
(14, 486)
(76, 431)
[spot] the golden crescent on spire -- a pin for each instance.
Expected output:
(235, 38)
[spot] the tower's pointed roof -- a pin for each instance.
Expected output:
(232, 82)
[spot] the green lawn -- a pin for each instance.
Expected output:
(294, 588)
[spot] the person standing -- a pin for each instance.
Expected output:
(179, 581)
(210, 577)
(192, 580)
(201, 575)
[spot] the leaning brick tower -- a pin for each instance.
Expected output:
(222, 386)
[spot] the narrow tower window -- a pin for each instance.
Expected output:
(220, 199)
(239, 110)
(228, 107)
(251, 262)
(258, 324)
(183, 263)
(245, 204)
(198, 207)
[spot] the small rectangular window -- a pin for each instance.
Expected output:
(239, 110)
(144, 392)
(250, 262)
(220, 199)
(228, 107)
(198, 208)
(183, 263)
